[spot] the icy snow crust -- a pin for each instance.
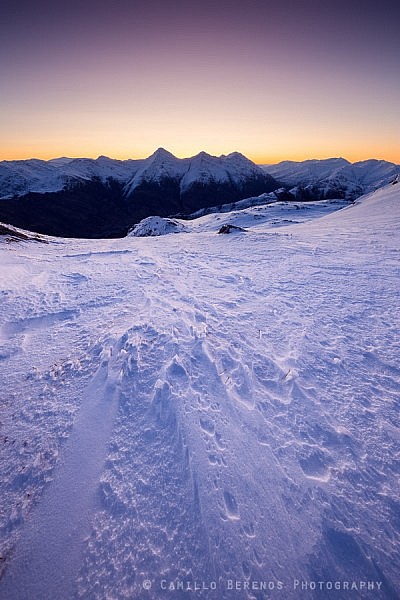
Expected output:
(202, 408)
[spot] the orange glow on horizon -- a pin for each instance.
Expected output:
(257, 157)
(199, 80)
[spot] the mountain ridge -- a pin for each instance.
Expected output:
(105, 197)
(332, 178)
(39, 174)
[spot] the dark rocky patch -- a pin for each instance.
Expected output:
(228, 228)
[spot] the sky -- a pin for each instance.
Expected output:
(274, 80)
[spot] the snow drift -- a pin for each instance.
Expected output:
(204, 416)
(153, 226)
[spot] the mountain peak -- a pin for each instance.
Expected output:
(201, 155)
(162, 153)
(238, 158)
(236, 154)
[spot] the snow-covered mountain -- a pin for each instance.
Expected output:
(22, 176)
(332, 178)
(105, 197)
(305, 172)
(191, 183)
(202, 416)
(360, 178)
(160, 166)
(19, 177)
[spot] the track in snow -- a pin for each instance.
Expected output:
(253, 431)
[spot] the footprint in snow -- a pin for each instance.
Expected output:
(231, 507)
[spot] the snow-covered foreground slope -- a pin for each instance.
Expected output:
(201, 411)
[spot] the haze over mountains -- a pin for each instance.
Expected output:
(104, 197)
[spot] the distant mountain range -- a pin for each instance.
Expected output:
(332, 178)
(104, 197)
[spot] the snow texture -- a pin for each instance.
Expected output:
(203, 410)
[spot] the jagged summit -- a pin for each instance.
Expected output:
(202, 155)
(162, 154)
(236, 155)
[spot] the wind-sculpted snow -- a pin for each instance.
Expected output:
(204, 416)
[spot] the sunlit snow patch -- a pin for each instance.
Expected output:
(153, 226)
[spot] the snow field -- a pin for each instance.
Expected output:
(230, 405)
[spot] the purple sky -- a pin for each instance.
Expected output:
(274, 80)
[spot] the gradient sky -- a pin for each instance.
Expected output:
(275, 80)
